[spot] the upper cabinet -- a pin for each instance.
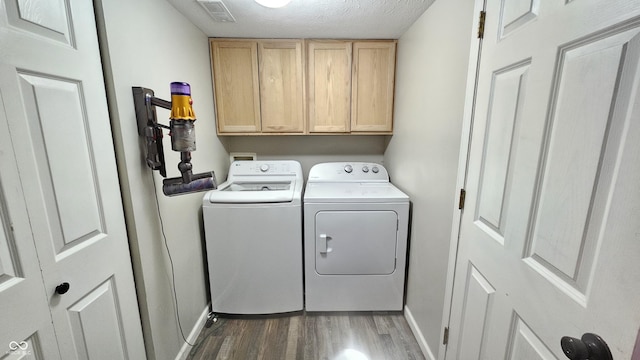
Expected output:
(235, 78)
(351, 86)
(258, 86)
(329, 77)
(269, 87)
(372, 86)
(281, 86)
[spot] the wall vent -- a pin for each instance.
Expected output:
(217, 10)
(242, 156)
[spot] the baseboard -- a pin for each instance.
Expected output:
(426, 351)
(193, 335)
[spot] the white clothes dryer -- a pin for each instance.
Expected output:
(355, 239)
(253, 235)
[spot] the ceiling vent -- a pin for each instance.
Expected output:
(217, 10)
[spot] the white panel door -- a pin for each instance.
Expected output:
(25, 321)
(55, 107)
(550, 233)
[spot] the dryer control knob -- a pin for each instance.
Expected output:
(264, 167)
(365, 169)
(375, 169)
(348, 169)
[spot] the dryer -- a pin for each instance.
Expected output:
(355, 238)
(253, 235)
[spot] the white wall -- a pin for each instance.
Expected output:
(422, 155)
(148, 43)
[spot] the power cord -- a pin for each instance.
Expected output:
(173, 274)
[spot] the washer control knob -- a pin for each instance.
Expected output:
(375, 169)
(264, 167)
(365, 169)
(348, 169)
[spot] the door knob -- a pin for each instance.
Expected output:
(589, 347)
(62, 288)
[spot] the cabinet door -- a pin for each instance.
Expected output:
(281, 87)
(373, 80)
(329, 86)
(235, 75)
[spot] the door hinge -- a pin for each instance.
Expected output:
(445, 336)
(463, 195)
(483, 16)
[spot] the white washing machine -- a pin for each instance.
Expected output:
(355, 238)
(253, 232)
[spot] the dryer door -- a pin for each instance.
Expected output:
(356, 242)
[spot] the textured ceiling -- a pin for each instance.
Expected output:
(326, 19)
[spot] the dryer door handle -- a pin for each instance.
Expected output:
(321, 243)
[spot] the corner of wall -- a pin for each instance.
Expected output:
(422, 342)
(126, 64)
(422, 155)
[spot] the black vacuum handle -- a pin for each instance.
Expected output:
(589, 347)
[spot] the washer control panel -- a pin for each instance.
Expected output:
(348, 172)
(267, 168)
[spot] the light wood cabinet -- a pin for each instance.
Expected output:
(373, 86)
(281, 86)
(235, 78)
(351, 86)
(259, 86)
(329, 76)
(268, 87)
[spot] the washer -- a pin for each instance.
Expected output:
(253, 233)
(355, 238)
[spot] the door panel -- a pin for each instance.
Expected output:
(356, 242)
(97, 333)
(66, 169)
(57, 119)
(550, 220)
(516, 14)
(507, 97)
(24, 311)
(478, 302)
(49, 19)
(525, 344)
(577, 181)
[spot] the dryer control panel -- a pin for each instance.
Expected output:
(348, 172)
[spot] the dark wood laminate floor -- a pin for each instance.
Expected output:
(314, 336)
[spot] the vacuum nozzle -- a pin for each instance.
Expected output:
(199, 182)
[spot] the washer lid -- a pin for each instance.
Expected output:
(253, 192)
(353, 192)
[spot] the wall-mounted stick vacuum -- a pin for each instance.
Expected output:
(183, 137)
